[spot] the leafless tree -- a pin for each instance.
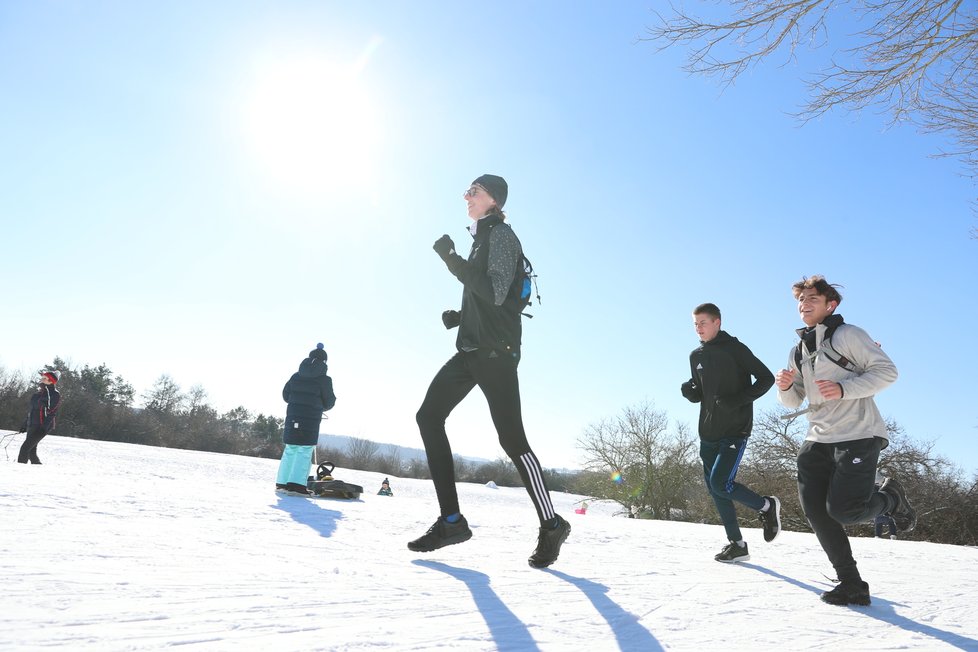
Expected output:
(769, 465)
(916, 59)
(390, 462)
(653, 467)
(361, 453)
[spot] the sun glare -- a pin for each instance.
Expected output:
(311, 124)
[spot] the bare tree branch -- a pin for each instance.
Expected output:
(917, 59)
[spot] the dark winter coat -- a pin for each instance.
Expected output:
(490, 318)
(721, 383)
(44, 409)
(309, 393)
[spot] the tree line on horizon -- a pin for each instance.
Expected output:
(658, 474)
(98, 404)
(639, 459)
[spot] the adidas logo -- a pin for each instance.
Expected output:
(699, 365)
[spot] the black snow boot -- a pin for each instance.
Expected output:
(771, 519)
(296, 488)
(733, 552)
(442, 534)
(848, 592)
(903, 513)
(549, 542)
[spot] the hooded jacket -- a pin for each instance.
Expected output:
(490, 318)
(309, 393)
(44, 408)
(721, 383)
(855, 415)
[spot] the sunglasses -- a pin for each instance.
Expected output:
(473, 191)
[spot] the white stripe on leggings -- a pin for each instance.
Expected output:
(537, 489)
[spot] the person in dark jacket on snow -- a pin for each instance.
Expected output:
(488, 353)
(308, 393)
(41, 417)
(721, 369)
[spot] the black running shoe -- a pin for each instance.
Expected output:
(280, 486)
(771, 519)
(848, 592)
(733, 552)
(549, 542)
(442, 534)
(903, 513)
(296, 488)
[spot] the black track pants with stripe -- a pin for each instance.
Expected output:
(498, 380)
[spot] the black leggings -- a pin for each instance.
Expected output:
(28, 451)
(497, 379)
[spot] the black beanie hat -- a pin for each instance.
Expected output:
(497, 187)
(319, 353)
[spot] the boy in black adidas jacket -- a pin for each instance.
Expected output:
(721, 369)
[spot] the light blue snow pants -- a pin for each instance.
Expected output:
(294, 466)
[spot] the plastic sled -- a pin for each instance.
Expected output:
(326, 486)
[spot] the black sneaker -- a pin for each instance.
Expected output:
(549, 542)
(733, 552)
(280, 487)
(296, 488)
(442, 534)
(771, 519)
(848, 592)
(903, 513)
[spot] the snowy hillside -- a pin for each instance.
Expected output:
(110, 546)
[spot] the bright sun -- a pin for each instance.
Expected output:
(310, 124)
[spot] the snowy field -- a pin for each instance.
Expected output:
(111, 546)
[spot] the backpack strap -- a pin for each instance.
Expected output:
(827, 350)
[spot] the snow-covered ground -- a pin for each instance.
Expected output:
(111, 546)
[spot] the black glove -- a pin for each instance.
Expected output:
(444, 247)
(451, 318)
(690, 390)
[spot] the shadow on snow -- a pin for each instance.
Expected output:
(628, 632)
(884, 610)
(304, 511)
(508, 632)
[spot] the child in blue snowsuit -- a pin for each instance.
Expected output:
(308, 393)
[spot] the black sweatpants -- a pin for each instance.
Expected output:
(497, 378)
(837, 487)
(28, 450)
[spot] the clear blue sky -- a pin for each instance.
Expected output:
(208, 189)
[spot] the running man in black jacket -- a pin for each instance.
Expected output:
(721, 383)
(488, 352)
